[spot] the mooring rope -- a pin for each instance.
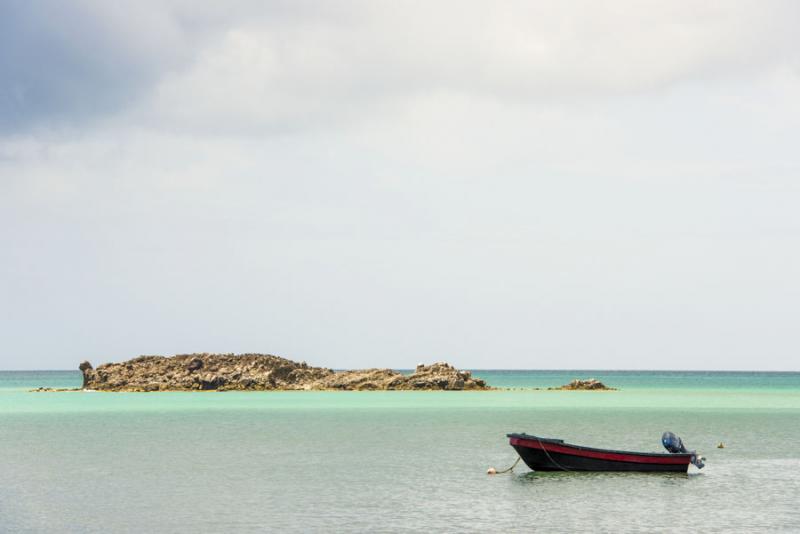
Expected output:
(493, 471)
(551, 458)
(512, 466)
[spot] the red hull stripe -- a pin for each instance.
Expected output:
(613, 456)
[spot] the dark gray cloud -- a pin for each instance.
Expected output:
(66, 61)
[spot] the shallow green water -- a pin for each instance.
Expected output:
(395, 461)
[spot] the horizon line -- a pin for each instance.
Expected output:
(477, 369)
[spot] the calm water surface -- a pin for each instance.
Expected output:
(396, 461)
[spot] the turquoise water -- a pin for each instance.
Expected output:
(396, 461)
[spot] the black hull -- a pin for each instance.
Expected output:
(540, 460)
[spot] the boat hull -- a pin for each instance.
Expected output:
(545, 454)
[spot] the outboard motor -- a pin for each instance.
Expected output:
(674, 445)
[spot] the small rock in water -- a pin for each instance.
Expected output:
(587, 384)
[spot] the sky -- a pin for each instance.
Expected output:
(565, 184)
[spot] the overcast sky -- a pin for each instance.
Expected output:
(498, 184)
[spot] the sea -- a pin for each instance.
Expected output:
(397, 461)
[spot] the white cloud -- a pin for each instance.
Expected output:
(262, 75)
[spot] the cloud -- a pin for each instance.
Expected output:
(283, 66)
(64, 61)
(266, 75)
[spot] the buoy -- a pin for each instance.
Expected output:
(493, 471)
(721, 445)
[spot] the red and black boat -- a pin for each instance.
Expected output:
(548, 454)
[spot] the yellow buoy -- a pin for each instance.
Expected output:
(721, 445)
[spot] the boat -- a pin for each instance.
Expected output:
(549, 454)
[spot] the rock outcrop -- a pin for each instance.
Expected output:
(588, 384)
(83, 367)
(223, 372)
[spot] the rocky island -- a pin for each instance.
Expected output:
(260, 372)
(591, 384)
